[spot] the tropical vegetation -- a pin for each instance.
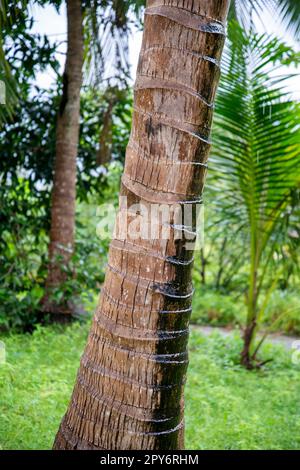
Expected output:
(62, 153)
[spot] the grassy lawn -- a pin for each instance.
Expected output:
(226, 407)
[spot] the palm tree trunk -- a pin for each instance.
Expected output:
(252, 299)
(64, 185)
(248, 337)
(129, 389)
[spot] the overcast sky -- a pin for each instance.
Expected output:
(48, 21)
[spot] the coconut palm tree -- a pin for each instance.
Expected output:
(256, 158)
(287, 11)
(64, 183)
(106, 25)
(129, 388)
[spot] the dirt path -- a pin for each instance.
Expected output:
(276, 338)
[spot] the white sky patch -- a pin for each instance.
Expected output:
(48, 21)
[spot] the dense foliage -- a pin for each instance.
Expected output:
(27, 147)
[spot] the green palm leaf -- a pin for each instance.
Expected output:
(256, 154)
(289, 10)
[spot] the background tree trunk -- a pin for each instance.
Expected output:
(129, 389)
(64, 184)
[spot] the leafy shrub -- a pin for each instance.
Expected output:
(211, 307)
(283, 312)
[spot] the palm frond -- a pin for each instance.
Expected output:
(108, 24)
(8, 86)
(256, 154)
(287, 11)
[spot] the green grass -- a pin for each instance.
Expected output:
(226, 407)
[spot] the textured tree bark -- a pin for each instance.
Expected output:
(129, 388)
(64, 184)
